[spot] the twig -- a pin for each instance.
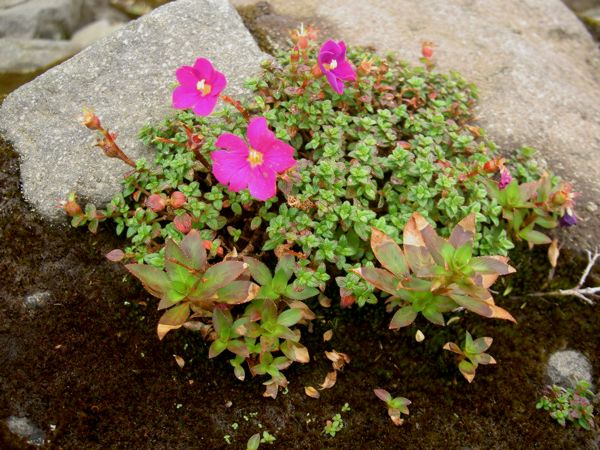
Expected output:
(583, 294)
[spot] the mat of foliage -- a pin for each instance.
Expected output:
(91, 365)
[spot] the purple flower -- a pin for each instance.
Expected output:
(505, 179)
(332, 62)
(199, 87)
(255, 166)
(568, 220)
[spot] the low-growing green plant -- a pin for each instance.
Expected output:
(191, 289)
(396, 405)
(471, 354)
(334, 426)
(335, 148)
(570, 405)
(432, 275)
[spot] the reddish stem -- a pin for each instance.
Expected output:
(122, 156)
(237, 105)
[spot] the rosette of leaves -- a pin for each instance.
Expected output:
(396, 405)
(431, 275)
(189, 287)
(527, 207)
(570, 405)
(471, 355)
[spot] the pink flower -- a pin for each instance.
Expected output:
(332, 62)
(255, 166)
(199, 87)
(505, 179)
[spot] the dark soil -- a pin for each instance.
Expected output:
(88, 364)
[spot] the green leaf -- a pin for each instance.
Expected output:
(259, 271)
(289, 317)
(216, 277)
(388, 253)
(237, 292)
(172, 319)
(154, 280)
(192, 246)
(216, 348)
(380, 278)
(300, 292)
(403, 317)
(535, 237)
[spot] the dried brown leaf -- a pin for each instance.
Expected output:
(311, 392)
(553, 252)
(327, 335)
(179, 360)
(330, 380)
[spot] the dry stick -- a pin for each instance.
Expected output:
(578, 291)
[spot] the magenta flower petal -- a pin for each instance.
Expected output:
(262, 183)
(345, 71)
(338, 86)
(230, 169)
(280, 157)
(233, 143)
(332, 62)
(204, 68)
(205, 105)
(186, 75)
(219, 82)
(259, 135)
(184, 97)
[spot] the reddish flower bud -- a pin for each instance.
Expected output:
(178, 199)
(156, 203)
(183, 223)
(316, 71)
(365, 66)
(427, 50)
(207, 244)
(71, 207)
(490, 166)
(295, 56)
(303, 42)
(91, 121)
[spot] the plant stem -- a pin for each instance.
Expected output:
(237, 105)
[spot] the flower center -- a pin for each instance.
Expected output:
(255, 158)
(332, 65)
(203, 87)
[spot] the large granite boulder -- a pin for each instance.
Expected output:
(42, 19)
(127, 79)
(537, 68)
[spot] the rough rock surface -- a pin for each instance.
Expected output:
(127, 78)
(45, 19)
(29, 55)
(537, 68)
(24, 428)
(94, 32)
(567, 367)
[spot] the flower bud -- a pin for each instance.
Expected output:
(295, 56)
(316, 71)
(178, 199)
(71, 207)
(427, 50)
(156, 203)
(302, 42)
(490, 166)
(91, 120)
(568, 220)
(365, 66)
(183, 223)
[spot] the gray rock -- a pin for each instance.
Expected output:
(567, 367)
(23, 427)
(94, 32)
(127, 78)
(37, 300)
(19, 55)
(45, 19)
(537, 68)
